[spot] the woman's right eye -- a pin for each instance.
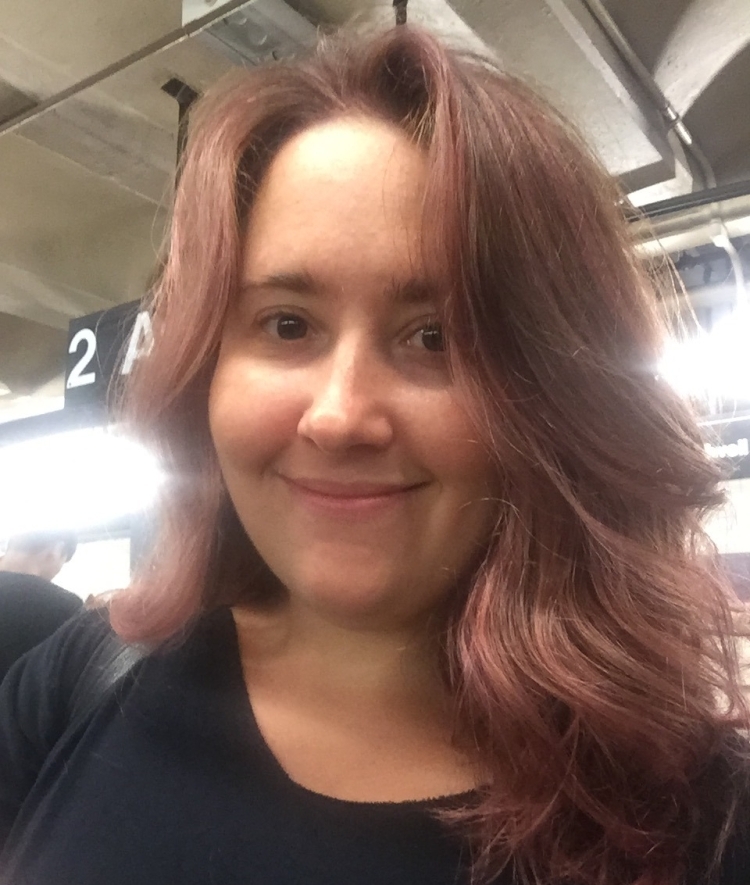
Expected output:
(286, 326)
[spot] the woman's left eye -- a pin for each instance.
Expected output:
(286, 326)
(430, 337)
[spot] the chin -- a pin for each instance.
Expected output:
(348, 599)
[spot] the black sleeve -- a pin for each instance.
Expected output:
(34, 704)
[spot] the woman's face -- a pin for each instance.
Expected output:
(344, 445)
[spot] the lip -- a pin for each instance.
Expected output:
(350, 498)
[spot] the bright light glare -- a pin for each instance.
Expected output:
(74, 480)
(713, 364)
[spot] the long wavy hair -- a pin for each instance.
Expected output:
(590, 656)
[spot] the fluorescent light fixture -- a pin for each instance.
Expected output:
(74, 480)
(712, 365)
(4, 389)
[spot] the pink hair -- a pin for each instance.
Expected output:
(591, 653)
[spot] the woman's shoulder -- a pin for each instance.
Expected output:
(69, 647)
(41, 682)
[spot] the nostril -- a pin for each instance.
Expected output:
(335, 430)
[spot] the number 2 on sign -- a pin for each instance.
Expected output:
(140, 342)
(77, 377)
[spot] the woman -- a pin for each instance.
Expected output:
(431, 598)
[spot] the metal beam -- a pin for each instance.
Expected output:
(696, 198)
(170, 39)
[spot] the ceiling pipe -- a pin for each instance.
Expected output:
(687, 229)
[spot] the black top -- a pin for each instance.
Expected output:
(171, 783)
(31, 609)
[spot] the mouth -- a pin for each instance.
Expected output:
(350, 497)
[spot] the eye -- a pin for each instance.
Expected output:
(430, 337)
(286, 326)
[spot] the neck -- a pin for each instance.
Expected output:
(386, 665)
(18, 562)
(359, 714)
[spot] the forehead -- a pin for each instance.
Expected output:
(357, 154)
(343, 198)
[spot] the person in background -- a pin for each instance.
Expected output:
(31, 606)
(431, 601)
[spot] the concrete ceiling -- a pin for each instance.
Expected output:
(88, 158)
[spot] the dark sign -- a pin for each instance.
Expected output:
(100, 346)
(729, 442)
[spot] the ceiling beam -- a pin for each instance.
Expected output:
(597, 47)
(27, 295)
(109, 140)
(707, 37)
(91, 129)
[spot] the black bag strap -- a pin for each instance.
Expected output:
(110, 662)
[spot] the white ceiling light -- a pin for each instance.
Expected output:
(4, 389)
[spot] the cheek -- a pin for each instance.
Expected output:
(474, 480)
(459, 458)
(252, 413)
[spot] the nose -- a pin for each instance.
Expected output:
(348, 400)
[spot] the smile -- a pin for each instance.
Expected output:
(337, 498)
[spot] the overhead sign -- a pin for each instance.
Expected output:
(729, 443)
(101, 346)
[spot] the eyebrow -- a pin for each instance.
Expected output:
(411, 292)
(299, 282)
(408, 292)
